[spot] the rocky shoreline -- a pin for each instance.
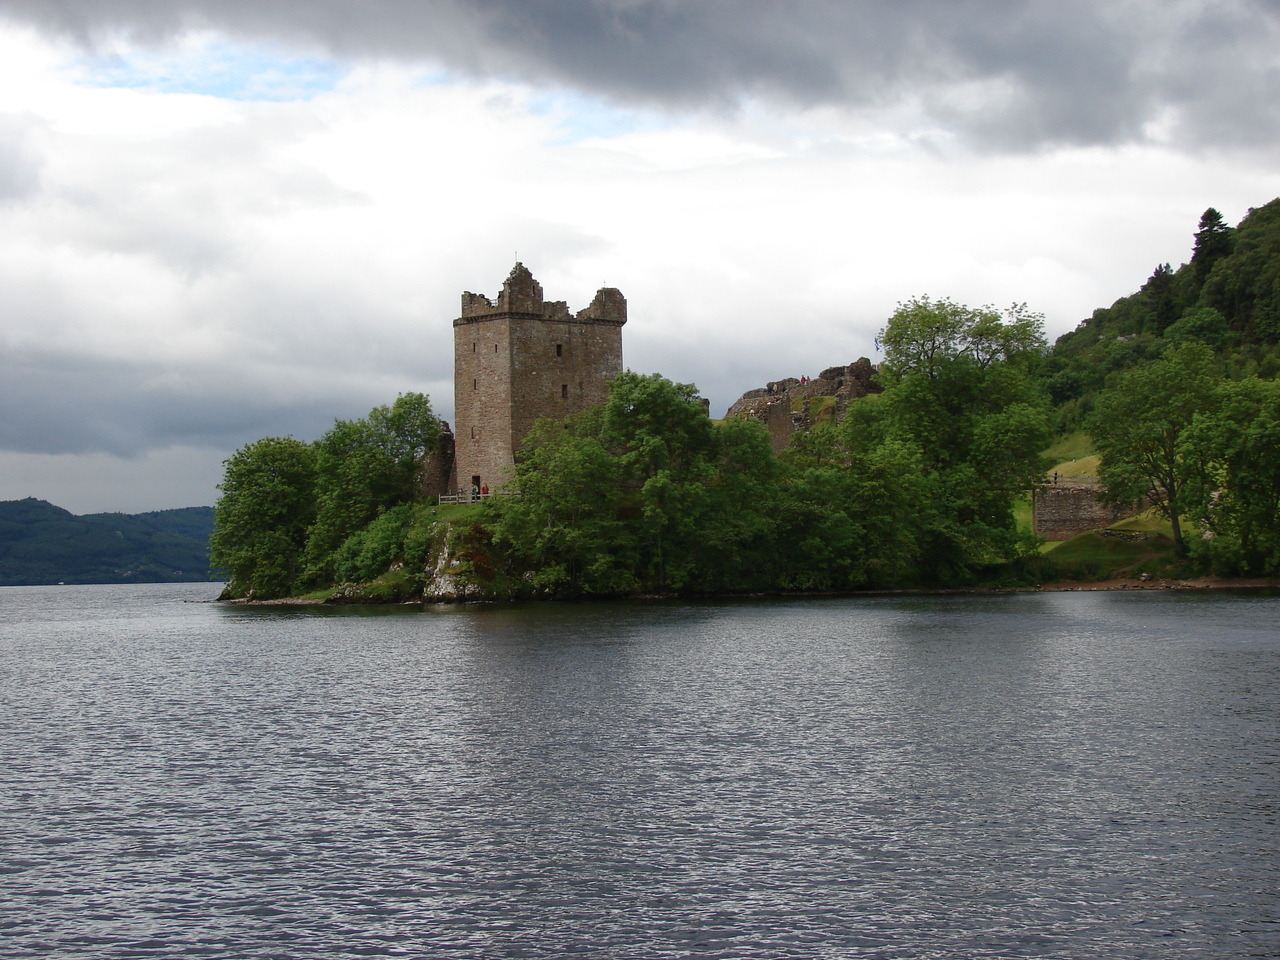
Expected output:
(1165, 583)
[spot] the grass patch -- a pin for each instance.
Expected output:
(1082, 467)
(1072, 446)
(1022, 516)
(1128, 548)
(1072, 455)
(821, 408)
(1148, 521)
(1096, 556)
(453, 512)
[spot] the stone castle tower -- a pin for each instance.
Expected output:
(517, 359)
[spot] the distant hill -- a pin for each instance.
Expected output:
(41, 543)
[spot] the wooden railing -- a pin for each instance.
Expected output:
(463, 496)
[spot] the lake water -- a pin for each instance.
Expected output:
(1032, 775)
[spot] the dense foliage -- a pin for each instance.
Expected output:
(1199, 446)
(1138, 425)
(1226, 298)
(289, 509)
(647, 494)
(1234, 449)
(41, 543)
(1176, 385)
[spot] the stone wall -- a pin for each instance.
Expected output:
(435, 473)
(782, 405)
(1065, 510)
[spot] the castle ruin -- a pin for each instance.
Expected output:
(518, 359)
(787, 407)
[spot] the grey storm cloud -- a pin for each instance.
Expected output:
(1004, 74)
(84, 405)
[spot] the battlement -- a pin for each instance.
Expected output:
(522, 294)
(608, 306)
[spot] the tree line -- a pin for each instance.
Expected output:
(646, 494)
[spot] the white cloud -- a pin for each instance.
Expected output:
(191, 272)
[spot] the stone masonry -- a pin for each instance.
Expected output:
(1069, 508)
(519, 358)
(783, 405)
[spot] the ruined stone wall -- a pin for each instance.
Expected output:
(517, 359)
(1065, 510)
(782, 405)
(780, 422)
(435, 473)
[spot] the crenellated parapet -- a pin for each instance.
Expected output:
(521, 295)
(608, 306)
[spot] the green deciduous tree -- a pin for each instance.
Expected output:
(960, 393)
(1201, 325)
(364, 467)
(1137, 425)
(640, 493)
(567, 533)
(926, 336)
(262, 517)
(1235, 491)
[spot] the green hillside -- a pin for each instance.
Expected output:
(1227, 297)
(41, 543)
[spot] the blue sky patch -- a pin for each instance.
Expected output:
(217, 69)
(581, 118)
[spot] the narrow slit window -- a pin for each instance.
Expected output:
(564, 391)
(473, 346)
(474, 384)
(559, 349)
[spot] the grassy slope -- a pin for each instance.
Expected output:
(1073, 455)
(1128, 548)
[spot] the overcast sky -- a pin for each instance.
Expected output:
(227, 220)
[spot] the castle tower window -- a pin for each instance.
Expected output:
(564, 391)
(559, 349)
(495, 348)
(475, 384)
(473, 346)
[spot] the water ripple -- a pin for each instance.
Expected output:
(1028, 776)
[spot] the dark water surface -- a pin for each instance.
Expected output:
(1036, 775)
